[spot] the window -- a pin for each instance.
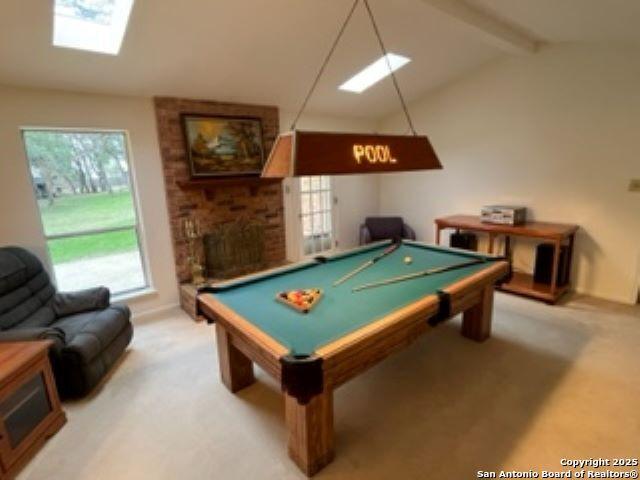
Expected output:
(93, 25)
(316, 214)
(83, 187)
(372, 74)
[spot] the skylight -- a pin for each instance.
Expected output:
(93, 25)
(373, 73)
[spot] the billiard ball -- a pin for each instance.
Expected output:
(408, 260)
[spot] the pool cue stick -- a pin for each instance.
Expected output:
(368, 263)
(411, 276)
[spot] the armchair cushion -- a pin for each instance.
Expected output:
(69, 303)
(95, 342)
(89, 333)
(43, 317)
(24, 289)
(27, 334)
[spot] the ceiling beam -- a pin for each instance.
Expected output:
(494, 30)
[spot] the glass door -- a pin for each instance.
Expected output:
(316, 215)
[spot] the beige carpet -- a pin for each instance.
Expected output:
(553, 382)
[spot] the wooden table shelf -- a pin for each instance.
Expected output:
(520, 283)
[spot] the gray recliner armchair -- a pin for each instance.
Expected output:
(384, 228)
(88, 333)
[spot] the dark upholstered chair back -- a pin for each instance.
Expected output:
(26, 293)
(382, 228)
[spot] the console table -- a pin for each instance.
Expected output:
(520, 283)
(30, 409)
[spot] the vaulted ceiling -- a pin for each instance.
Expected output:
(268, 51)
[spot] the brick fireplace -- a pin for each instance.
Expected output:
(215, 202)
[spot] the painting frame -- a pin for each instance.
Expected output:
(213, 142)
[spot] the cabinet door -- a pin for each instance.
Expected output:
(25, 410)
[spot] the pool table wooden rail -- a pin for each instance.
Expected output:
(309, 418)
(354, 353)
(342, 359)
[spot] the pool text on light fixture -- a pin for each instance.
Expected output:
(375, 72)
(373, 154)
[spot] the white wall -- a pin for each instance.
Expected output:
(19, 218)
(357, 194)
(559, 132)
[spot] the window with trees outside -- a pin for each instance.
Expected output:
(316, 214)
(82, 183)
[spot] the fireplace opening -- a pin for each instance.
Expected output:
(233, 249)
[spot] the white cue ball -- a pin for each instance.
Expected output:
(408, 260)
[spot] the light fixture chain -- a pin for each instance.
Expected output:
(393, 76)
(324, 64)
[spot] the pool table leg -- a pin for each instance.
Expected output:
(476, 320)
(236, 369)
(310, 431)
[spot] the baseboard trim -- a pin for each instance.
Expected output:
(151, 312)
(609, 298)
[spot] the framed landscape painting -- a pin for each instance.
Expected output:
(223, 146)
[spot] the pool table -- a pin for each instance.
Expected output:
(347, 332)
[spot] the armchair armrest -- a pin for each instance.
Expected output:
(365, 235)
(68, 303)
(408, 232)
(31, 334)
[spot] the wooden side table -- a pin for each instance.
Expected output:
(30, 410)
(521, 283)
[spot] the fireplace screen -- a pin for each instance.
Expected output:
(234, 249)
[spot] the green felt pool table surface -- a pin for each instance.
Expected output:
(341, 311)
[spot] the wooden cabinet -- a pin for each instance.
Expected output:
(30, 410)
(521, 283)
